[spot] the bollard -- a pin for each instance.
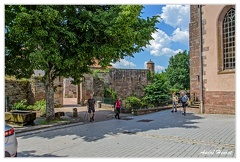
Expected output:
(6, 104)
(75, 113)
(98, 104)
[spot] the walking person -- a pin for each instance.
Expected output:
(174, 102)
(184, 101)
(91, 108)
(118, 105)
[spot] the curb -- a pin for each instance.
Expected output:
(41, 128)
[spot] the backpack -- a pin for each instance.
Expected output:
(184, 98)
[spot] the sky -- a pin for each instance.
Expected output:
(171, 37)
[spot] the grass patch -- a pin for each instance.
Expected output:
(44, 122)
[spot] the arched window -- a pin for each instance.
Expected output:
(229, 40)
(226, 40)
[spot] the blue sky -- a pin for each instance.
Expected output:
(171, 37)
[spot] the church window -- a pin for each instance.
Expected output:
(228, 39)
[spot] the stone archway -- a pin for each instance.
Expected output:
(70, 92)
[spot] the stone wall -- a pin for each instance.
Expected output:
(125, 82)
(37, 89)
(194, 45)
(219, 102)
(16, 91)
(58, 94)
(32, 90)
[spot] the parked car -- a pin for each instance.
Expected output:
(11, 143)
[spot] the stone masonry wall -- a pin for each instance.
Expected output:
(219, 102)
(125, 82)
(16, 91)
(58, 94)
(194, 45)
(32, 90)
(37, 89)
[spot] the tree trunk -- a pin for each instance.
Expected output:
(50, 115)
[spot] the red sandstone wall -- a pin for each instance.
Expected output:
(194, 51)
(219, 102)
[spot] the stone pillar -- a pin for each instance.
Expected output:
(194, 45)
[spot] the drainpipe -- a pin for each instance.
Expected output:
(201, 62)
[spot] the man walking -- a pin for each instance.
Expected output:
(184, 101)
(91, 108)
(174, 102)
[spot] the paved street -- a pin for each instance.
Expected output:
(160, 134)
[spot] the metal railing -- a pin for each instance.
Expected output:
(105, 100)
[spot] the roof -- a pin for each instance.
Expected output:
(150, 62)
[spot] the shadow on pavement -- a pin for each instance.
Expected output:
(32, 154)
(99, 130)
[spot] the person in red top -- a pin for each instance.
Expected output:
(118, 107)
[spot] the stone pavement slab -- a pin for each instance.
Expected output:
(163, 134)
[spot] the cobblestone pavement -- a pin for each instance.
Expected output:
(160, 134)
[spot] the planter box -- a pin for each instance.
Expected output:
(19, 117)
(126, 111)
(150, 110)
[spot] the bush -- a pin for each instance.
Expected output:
(110, 93)
(132, 102)
(39, 106)
(21, 105)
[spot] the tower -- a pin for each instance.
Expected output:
(150, 66)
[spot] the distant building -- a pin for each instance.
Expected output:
(212, 76)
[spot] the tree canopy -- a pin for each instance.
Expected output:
(64, 40)
(178, 71)
(157, 91)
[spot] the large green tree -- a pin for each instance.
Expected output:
(64, 40)
(178, 71)
(157, 91)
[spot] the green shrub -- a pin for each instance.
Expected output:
(110, 93)
(132, 102)
(21, 105)
(40, 106)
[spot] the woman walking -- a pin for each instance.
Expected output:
(118, 107)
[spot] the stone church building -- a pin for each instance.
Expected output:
(212, 58)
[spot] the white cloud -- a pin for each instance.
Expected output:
(176, 16)
(161, 44)
(145, 64)
(160, 40)
(159, 68)
(180, 36)
(170, 52)
(123, 63)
